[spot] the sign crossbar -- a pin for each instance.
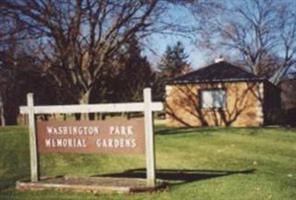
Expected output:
(92, 108)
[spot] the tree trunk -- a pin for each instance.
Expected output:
(10, 114)
(84, 99)
(2, 112)
(2, 116)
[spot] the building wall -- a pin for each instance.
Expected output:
(288, 94)
(288, 101)
(243, 105)
(272, 104)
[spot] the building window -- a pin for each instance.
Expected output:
(213, 98)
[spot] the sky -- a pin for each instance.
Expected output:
(160, 42)
(197, 57)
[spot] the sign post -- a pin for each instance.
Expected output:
(32, 136)
(149, 136)
(109, 136)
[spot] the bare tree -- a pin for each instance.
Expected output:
(77, 40)
(259, 34)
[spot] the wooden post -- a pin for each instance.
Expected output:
(32, 136)
(149, 138)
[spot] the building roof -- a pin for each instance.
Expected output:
(218, 72)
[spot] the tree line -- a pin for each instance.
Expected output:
(88, 51)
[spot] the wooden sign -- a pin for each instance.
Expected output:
(129, 136)
(115, 136)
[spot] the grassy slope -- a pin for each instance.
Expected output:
(208, 153)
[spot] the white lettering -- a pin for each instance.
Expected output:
(47, 142)
(49, 130)
(121, 130)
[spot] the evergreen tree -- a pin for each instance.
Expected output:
(174, 61)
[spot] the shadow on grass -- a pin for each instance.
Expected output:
(15, 167)
(4, 184)
(176, 177)
(210, 130)
(10, 182)
(173, 131)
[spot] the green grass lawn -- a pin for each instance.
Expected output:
(204, 163)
